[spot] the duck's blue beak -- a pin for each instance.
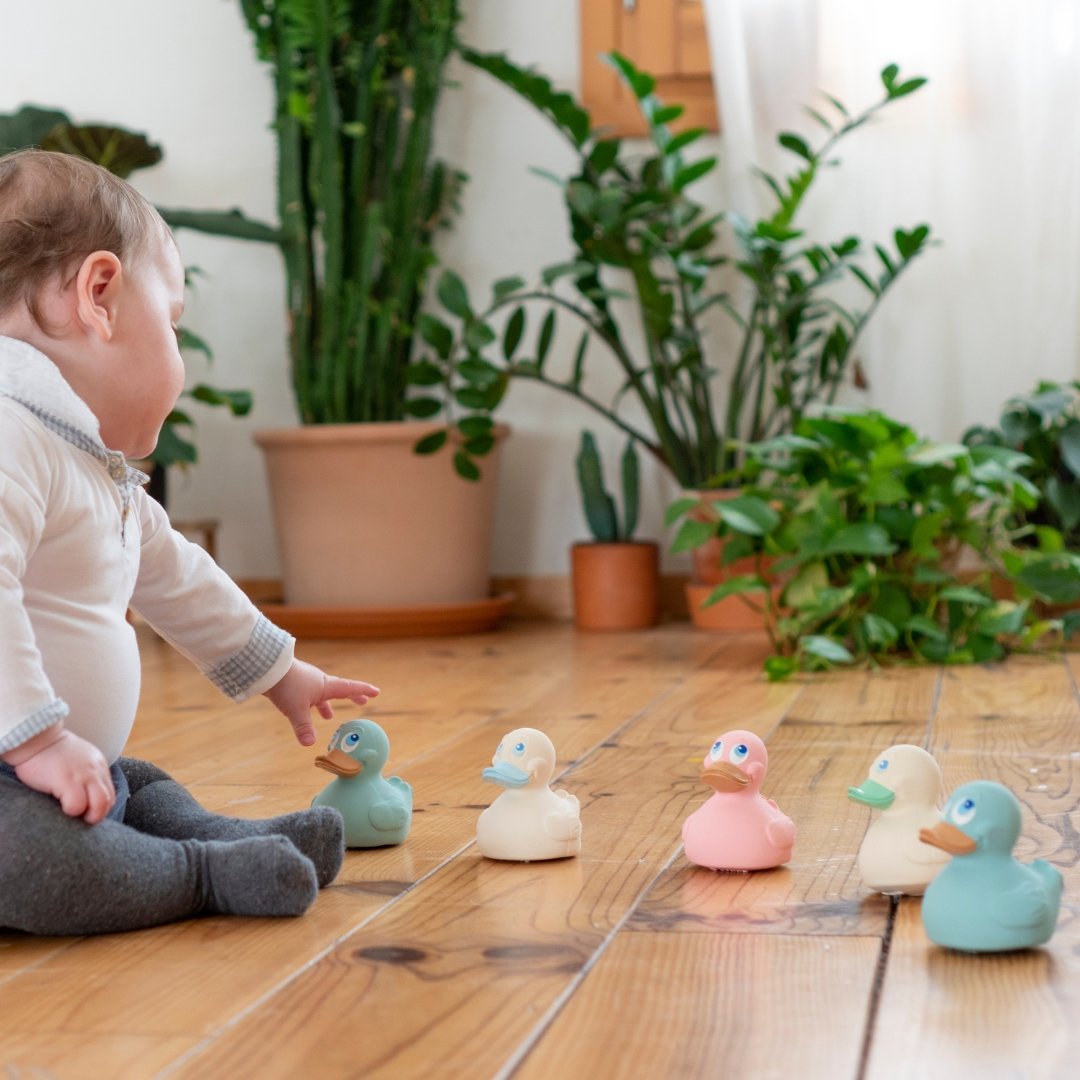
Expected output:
(871, 793)
(506, 775)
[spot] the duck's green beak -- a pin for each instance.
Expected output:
(871, 793)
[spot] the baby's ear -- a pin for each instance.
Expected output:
(97, 288)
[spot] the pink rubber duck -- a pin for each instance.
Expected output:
(738, 828)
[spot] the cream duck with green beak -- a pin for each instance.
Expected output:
(377, 809)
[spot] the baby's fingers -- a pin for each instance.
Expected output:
(101, 796)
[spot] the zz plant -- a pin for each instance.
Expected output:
(636, 233)
(863, 524)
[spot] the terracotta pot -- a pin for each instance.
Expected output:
(363, 521)
(616, 586)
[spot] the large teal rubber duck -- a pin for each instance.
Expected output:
(377, 809)
(984, 900)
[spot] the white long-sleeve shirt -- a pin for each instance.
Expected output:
(80, 542)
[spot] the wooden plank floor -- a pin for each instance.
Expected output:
(427, 960)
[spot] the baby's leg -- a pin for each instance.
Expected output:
(59, 875)
(158, 805)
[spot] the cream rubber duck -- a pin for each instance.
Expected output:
(528, 822)
(904, 783)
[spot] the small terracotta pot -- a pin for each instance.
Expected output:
(616, 586)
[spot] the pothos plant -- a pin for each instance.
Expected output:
(1044, 425)
(858, 525)
(637, 233)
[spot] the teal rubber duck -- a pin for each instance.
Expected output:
(377, 809)
(984, 900)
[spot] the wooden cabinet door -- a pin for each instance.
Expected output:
(667, 39)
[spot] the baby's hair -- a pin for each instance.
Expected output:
(55, 209)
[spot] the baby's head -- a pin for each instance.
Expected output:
(90, 275)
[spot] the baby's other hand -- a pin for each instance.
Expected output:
(71, 770)
(304, 687)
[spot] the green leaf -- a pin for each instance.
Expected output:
(692, 534)
(805, 588)
(504, 287)
(465, 467)
(962, 594)
(862, 538)
(736, 586)
(828, 648)
(1004, 617)
(436, 333)
(1070, 446)
(879, 632)
(678, 508)
(422, 408)
(475, 427)
(453, 295)
(921, 624)
(683, 139)
(423, 373)
(478, 372)
(937, 453)
(432, 443)
(796, 145)
(479, 335)
(547, 332)
(686, 176)
(748, 514)
(515, 327)
(778, 668)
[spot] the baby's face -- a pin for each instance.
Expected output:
(145, 371)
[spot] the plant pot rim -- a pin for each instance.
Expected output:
(371, 432)
(613, 543)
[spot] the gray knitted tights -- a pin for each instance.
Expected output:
(170, 859)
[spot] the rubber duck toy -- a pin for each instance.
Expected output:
(904, 783)
(737, 828)
(528, 822)
(377, 809)
(984, 900)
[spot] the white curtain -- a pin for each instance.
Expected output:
(988, 154)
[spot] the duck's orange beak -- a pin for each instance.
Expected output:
(339, 763)
(948, 838)
(724, 776)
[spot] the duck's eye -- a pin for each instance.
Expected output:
(963, 812)
(350, 740)
(740, 753)
(717, 748)
(519, 748)
(883, 764)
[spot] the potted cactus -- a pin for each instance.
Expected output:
(615, 578)
(364, 523)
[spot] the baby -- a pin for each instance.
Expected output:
(91, 289)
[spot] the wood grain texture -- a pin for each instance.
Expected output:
(626, 961)
(945, 1014)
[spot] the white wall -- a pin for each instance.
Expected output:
(185, 72)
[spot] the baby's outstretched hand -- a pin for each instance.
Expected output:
(304, 687)
(70, 769)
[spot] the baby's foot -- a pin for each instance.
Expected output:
(318, 833)
(260, 875)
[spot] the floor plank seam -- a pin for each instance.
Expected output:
(528, 1044)
(878, 988)
(263, 999)
(517, 1059)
